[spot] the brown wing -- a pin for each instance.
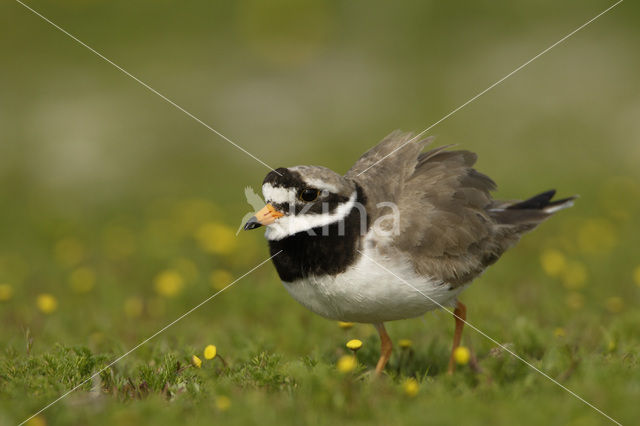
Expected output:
(453, 230)
(450, 227)
(383, 170)
(446, 228)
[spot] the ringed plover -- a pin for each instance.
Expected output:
(426, 217)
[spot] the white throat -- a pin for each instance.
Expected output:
(292, 224)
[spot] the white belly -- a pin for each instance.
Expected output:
(370, 294)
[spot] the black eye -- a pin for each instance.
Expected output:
(308, 194)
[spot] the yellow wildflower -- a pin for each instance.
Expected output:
(553, 262)
(347, 363)
(37, 421)
(156, 307)
(619, 195)
(614, 304)
(559, 332)
(410, 387)
(405, 343)
(6, 292)
(575, 300)
(187, 268)
(461, 355)
(220, 278)
(216, 238)
(96, 338)
(197, 362)
(597, 236)
(168, 283)
(133, 307)
(223, 403)
(574, 276)
(47, 303)
(118, 242)
(69, 251)
(611, 346)
(190, 213)
(347, 325)
(354, 344)
(636, 275)
(210, 352)
(82, 280)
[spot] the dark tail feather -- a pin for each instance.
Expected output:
(543, 202)
(533, 211)
(537, 202)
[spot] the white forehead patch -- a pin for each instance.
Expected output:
(275, 194)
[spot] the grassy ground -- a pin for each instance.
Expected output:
(554, 299)
(118, 213)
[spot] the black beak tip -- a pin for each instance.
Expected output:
(252, 224)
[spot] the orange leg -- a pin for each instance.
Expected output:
(460, 315)
(385, 348)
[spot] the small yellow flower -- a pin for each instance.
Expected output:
(156, 307)
(575, 300)
(133, 307)
(168, 283)
(82, 280)
(190, 213)
(347, 363)
(117, 242)
(636, 275)
(69, 251)
(220, 278)
(614, 304)
(47, 303)
(597, 236)
(559, 332)
(37, 421)
(405, 343)
(461, 355)
(210, 352)
(96, 338)
(354, 345)
(197, 362)
(223, 403)
(410, 387)
(347, 325)
(6, 292)
(187, 268)
(574, 276)
(611, 346)
(216, 238)
(553, 262)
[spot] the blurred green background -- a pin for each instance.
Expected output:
(118, 212)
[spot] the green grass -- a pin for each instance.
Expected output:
(578, 327)
(158, 385)
(281, 359)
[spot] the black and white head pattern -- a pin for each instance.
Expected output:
(309, 196)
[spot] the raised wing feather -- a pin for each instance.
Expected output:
(450, 227)
(383, 170)
(445, 229)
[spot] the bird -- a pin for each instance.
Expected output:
(401, 233)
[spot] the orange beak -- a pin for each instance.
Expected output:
(266, 216)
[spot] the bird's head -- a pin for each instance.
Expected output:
(302, 198)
